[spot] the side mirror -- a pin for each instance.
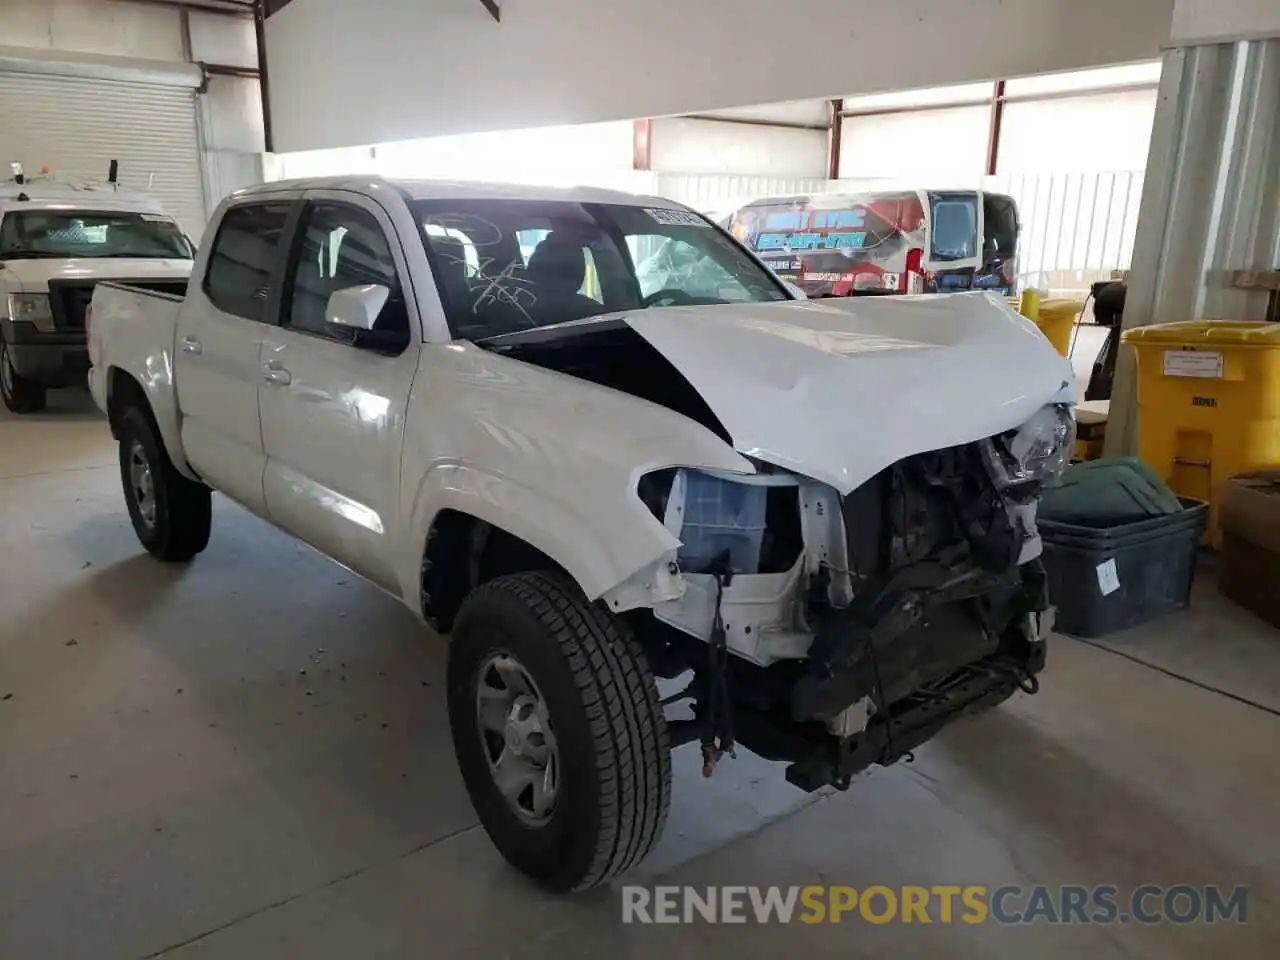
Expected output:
(794, 290)
(356, 307)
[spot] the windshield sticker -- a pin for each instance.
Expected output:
(155, 218)
(676, 218)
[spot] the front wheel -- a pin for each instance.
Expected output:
(171, 515)
(19, 394)
(558, 731)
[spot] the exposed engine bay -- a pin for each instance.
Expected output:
(830, 631)
(858, 625)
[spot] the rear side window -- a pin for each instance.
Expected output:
(244, 257)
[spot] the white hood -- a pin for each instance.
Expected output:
(33, 275)
(839, 389)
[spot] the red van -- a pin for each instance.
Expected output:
(893, 241)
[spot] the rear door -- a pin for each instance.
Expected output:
(220, 334)
(1000, 228)
(333, 406)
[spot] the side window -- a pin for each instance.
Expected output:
(344, 246)
(243, 258)
(591, 282)
(529, 240)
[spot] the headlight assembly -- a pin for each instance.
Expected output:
(1036, 452)
(31, 308)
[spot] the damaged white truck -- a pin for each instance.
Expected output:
(820, 513)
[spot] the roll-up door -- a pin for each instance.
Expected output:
(78, 125)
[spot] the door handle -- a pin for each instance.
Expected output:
(192, 345)
(274, 372)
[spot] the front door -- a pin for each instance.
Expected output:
(220, 334)
(333, 401)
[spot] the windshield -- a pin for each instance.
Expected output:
(508, 265)
(71, 234)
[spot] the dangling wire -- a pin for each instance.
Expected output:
(1075, 331)
(717, 738)
(882, 703)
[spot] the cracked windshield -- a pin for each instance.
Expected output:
(506, 266)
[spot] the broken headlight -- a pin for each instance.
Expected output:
(723, 519)
(1036, 452)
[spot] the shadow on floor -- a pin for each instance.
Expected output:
(1213, 642)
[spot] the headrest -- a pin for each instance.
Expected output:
(558, 264)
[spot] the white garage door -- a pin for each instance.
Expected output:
(78, 125)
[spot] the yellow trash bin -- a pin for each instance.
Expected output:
(1208, 403)
(1057, 319)
(1055, 316)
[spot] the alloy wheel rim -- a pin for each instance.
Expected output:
(143, 483)
(519, 744)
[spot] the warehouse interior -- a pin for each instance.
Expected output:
(249, 755)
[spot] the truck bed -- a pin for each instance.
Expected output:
(116, 303)
(141, 323)
(70, 298)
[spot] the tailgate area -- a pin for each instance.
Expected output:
(69, 299)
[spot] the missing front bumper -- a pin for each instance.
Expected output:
(818, 757)
(887, 739)
(954, 659)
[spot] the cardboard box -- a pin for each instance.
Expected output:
(1250, 507)
(1249, 573)
(1091, 428)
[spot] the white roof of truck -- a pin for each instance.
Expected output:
(56, 197)
(460, 190)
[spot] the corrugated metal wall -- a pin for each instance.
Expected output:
(716, 193)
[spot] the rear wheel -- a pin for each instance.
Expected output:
(558, 731)
(171, 515)
(20, 394)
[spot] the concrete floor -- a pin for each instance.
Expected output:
(248, 757)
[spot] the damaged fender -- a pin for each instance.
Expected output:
(562, 458)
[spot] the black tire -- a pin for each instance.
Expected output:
(613, 752)
(176, 525)
(20, 394)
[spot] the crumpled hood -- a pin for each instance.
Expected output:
(33, 276)
(838, 390)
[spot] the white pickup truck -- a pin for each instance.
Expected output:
(821, 513)
(56, 242)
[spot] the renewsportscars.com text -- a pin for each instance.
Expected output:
(1005, 905)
